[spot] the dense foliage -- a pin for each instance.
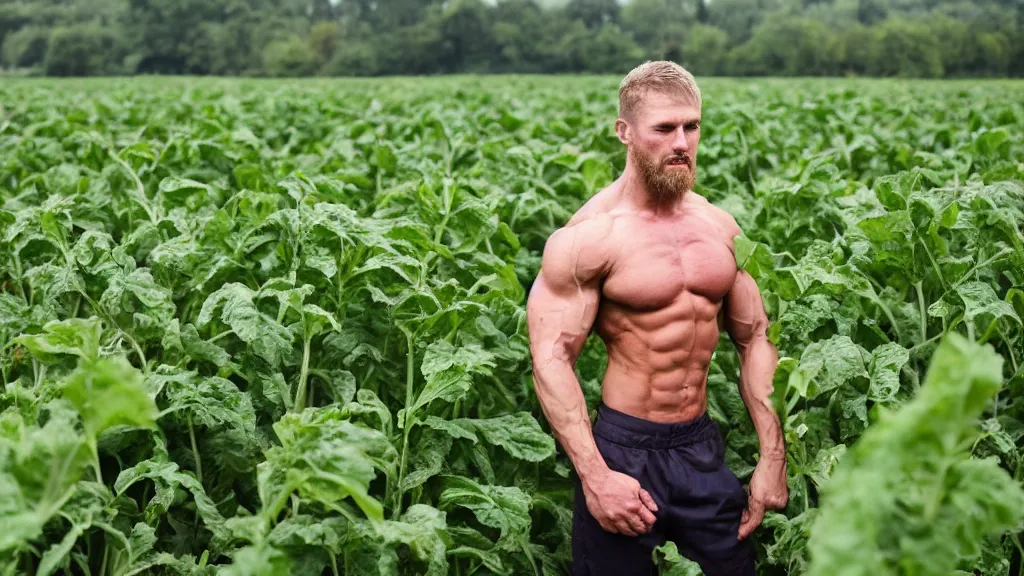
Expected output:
(907, 38)
(251, 327)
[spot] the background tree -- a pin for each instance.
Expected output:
(905, 38)
(705, 50)
(660, 26)
(593, 13)
(25, 47)
(82, 50)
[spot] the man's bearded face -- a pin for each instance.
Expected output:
(666, 178)
(666, 134)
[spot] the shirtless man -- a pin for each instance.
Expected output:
(651, 266)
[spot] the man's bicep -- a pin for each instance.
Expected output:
(561, 307)
(744, 315)
(559, 322)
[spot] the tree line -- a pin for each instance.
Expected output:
(904, 38)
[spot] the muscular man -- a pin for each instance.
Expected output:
(651, 266)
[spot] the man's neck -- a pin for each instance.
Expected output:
(639, 198)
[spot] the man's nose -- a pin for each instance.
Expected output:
(679, 143)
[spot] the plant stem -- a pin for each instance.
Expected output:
(920, 305)
(409, 364)
(106, 552)
(221, 335)
(447, 213)
(972, 271)
(275, 509)
(399, 492)
(892, 319)
(927, 342)
(533, 563)
(138, 350)
(334, 564)
(935, 264)
(143, 200)
(17, 270)
(874, 297)
(1016, 542)
(932, 505)
(195, 450)
(300, 394)
(1009, 347)
(96, 460)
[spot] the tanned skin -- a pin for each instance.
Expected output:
(650, 266)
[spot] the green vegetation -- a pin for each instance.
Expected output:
(266, 327)
(906, 38)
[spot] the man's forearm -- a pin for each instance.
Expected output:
(562, 401)
(758, 361)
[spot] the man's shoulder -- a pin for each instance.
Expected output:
(598, 207)
(579, 251)
(726, 222)
(589, 223)
(584, 235)
(594, 220)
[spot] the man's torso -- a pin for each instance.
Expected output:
(662, 284)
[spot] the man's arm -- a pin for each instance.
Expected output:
(746, 322)
(747, 325)
(560, 314)
(561, 311)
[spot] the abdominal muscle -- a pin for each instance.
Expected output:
(658, 362)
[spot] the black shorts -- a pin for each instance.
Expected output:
(700, 501)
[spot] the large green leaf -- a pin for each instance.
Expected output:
(907, 495)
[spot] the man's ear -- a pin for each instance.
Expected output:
(623, 131)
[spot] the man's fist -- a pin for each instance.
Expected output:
(768, 491)
(619, 504)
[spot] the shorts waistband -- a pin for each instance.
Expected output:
(627, 430)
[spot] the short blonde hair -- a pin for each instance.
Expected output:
(660, 76)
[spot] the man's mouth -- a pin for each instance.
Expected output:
(679, 161)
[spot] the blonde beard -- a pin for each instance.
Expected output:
(663, 186)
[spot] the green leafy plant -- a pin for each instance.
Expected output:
(258, 327)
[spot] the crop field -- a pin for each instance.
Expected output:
(278, 327)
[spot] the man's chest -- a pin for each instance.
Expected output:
(653, 269)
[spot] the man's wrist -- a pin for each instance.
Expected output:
(773, 455)
(591, 470)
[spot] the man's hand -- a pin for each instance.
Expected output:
(768, 491)
(619, 504)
